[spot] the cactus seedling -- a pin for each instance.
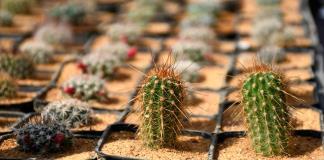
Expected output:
(201, 33)
(70, 112)
(70, 12)
(161, 100)
(267, 2)
(38, 51)
(17, 6)
(195, 51)
(16, 66)
(265, 110)
(271, 54)
(43, 138)
(119, 49)
(5, 18)
(8, 87)
(126, 32)
(188, 70)
(85, 87)
(55, 34)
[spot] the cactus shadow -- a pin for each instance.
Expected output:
(121, 77)
(300, 146)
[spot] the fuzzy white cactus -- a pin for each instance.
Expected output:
(201, 33)
(191, 50)
(127, 32)
(38, 51)
(53, 33)
(119, 49)
(271, 54)
(188, 70)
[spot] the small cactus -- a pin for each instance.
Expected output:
(161, 100)
(102, 65)
(204, 20)
(188, 70)
(38, 51)
(55, 34)
(17, 66)
(85, 87)
(195, 51)
(6, 18)
(201, 33)
(70, 112)
(18, 6)
(8, 87)
(265, 110)
(271, 55)
(126, 32)
(70, 12)
(43, 138)
(269, 12)
(119, 49)
(267, 2)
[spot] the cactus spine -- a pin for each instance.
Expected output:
(266, 113)
(161, 99)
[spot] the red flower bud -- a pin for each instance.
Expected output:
(209, 57)
(69, 90)
(82, 66)
(131, 52)
(124, 39)
(59, 138)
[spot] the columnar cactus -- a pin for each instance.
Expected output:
(119, 49)
(202, 33)
(43, 138)
(188, 70)
(70, 12)
(102, 65)
(5, 18)
(38, 51)
(85, 87)
(161, 100)
(266, 112)
(126, 32)
(17, 6)
(8, 87)
(196, 51)
(271, 54)
(70, 112)
(16, 66)
(55, 34)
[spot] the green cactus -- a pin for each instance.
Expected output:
(126, 32)
(39, 51)
(70, 112)
(161, 100)
(195, 51)
(266, 112)
(5, 18)
(70, 12)
(268, 2)
(17, 66)
(8, 87)
(18, 6)
(54, 34)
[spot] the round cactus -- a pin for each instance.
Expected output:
(85, 87)
(43, 138)
(5, 18)
(70, 12)
(264, 29)
(119, 49)
(8, 87)
(18, 6)
(271, 54)
(102, 65)
(196, 51)
(188, 70)
(265, 110)
(70, 112)
(284, 37)
(161, 100)
(16, 66)
(268, 2)
(126, 32)
(55, 34)
(38, 51)
(204, 20)
(201, 33)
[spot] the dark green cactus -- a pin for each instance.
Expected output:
(16, 66)
(266, 112)
(17, 6)
(5, 18)
(8, 87)
(161, 101)
(73, 13)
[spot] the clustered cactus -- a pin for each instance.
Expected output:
(120, 49)
(8, 87)
(70, 12)
(38, 51)
(5, 18)
(195, 51)
(17, 66)
(161, 100)
(18, 6)
(43, 138)
(188, 70)
(54, 33)
(271, 55)
(102, 65)
(266, 111)
(126, 32)
(70, 112)
(85, 87)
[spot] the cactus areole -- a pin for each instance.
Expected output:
(266, 113)
(161, 98)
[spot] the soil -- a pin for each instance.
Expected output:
(226, 23)
(22, 97)
(7, 44)
(81, 149)
(6, 122)
(245, 27)
(301, 148)
(38, 79)
(128, 145)
(101, 121)
(301, 42)
(158, 28)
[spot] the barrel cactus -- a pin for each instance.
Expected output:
(102, 65)
(85, 87)
(201, 33)
(54, 33)
(266, 111)
(43, 138)
(18, 6)
(126, 32)
(271, 54)
(119, 49)
(8, 87)
(196, 51)
(38, 51)
(17, 66)
(6, 18)
(70, 112)
(70, 12)
(188, 70)
(161, 100)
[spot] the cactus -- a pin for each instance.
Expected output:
(43, 138)
(126, 32)
(102, 65)
(188, 70)
(8, 87)
(267, 2)
(70, 112)
(202, 7)
(161, 100)
(119, 49)
(265, 110)
(204, 20)
(201, 33)
(5, 18)
(271, 54)
(38, 51)
(85, 87)
(55, 34)
(143, 11)
(17, 66)
(195, 51)
(70, 12)
(269, 12)
(18, 6)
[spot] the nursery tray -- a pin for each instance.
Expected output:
(8, 119)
